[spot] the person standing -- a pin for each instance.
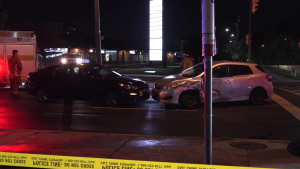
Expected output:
(186, 63)
(15, 69)
(123, 60)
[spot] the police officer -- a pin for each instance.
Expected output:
(186, 63)
(15, 69)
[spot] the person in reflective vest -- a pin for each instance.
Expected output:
(15, 71)
(186, 63)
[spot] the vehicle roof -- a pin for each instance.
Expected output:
(219, 62)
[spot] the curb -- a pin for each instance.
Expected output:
(142, 135)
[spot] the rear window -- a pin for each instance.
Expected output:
(259, 68)
(237, 70)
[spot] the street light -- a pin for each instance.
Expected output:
(232, 34)
(262, 45)
(230, 41)
(227, 30)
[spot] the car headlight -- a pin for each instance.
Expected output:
(63, 60)
(128, 86)
(173, 86)
(78, 60)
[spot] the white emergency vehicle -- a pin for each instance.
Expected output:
(25, 43)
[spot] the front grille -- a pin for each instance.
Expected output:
(144, 87)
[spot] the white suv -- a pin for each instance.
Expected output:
(232, 81)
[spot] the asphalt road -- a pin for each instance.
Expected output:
(233, 119)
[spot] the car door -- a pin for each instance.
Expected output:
(222, 85)
(87, 83)
(59, 77)
(243, 80)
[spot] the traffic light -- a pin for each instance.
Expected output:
(254, 5)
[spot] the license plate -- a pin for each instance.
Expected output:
(141, 93)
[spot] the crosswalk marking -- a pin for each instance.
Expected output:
(294, 110)
(288, 89)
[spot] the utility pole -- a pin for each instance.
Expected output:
(208, 51)
(249, 35)
(97, 32)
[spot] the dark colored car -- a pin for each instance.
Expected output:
(85, 82)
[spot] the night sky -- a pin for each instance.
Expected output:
(128, 19)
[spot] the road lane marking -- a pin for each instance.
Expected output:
(287, 91)
(113, 108)
(294, 110)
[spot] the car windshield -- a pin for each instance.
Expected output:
(192, 71)
(103, 71)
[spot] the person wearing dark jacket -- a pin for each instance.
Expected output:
(15, 72)
(123, 59)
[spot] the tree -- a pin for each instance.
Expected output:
(3, 17)
(278, 48)
(237, 47)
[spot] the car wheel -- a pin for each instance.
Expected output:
(43, 95)
(112, 99)
(257, 97)
(189, 100)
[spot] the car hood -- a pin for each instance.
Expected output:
(168, 79)
(127, 79)
(188, 83)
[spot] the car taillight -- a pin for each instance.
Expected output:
(28, 76)
(269, 78)
(53, 73)
(35, 68)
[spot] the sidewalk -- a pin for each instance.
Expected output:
(252, 153)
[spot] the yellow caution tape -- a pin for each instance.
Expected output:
(69, 162)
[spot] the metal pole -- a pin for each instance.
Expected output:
(97, 32)
(249, 39)
(208, 50)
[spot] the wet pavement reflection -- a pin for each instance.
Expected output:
(232, 119)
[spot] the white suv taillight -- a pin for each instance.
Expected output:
(269, 78)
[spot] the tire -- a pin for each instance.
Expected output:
(257, 96)
(189, 100)
(43, 95)
(112, 99)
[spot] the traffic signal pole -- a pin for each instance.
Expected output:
(97, 32)
(208, 51)
(249, 37)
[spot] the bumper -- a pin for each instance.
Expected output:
(29, 89)
(169, 96)
(2, 82)
(270, 90)
(155, 94)
(137, 97)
